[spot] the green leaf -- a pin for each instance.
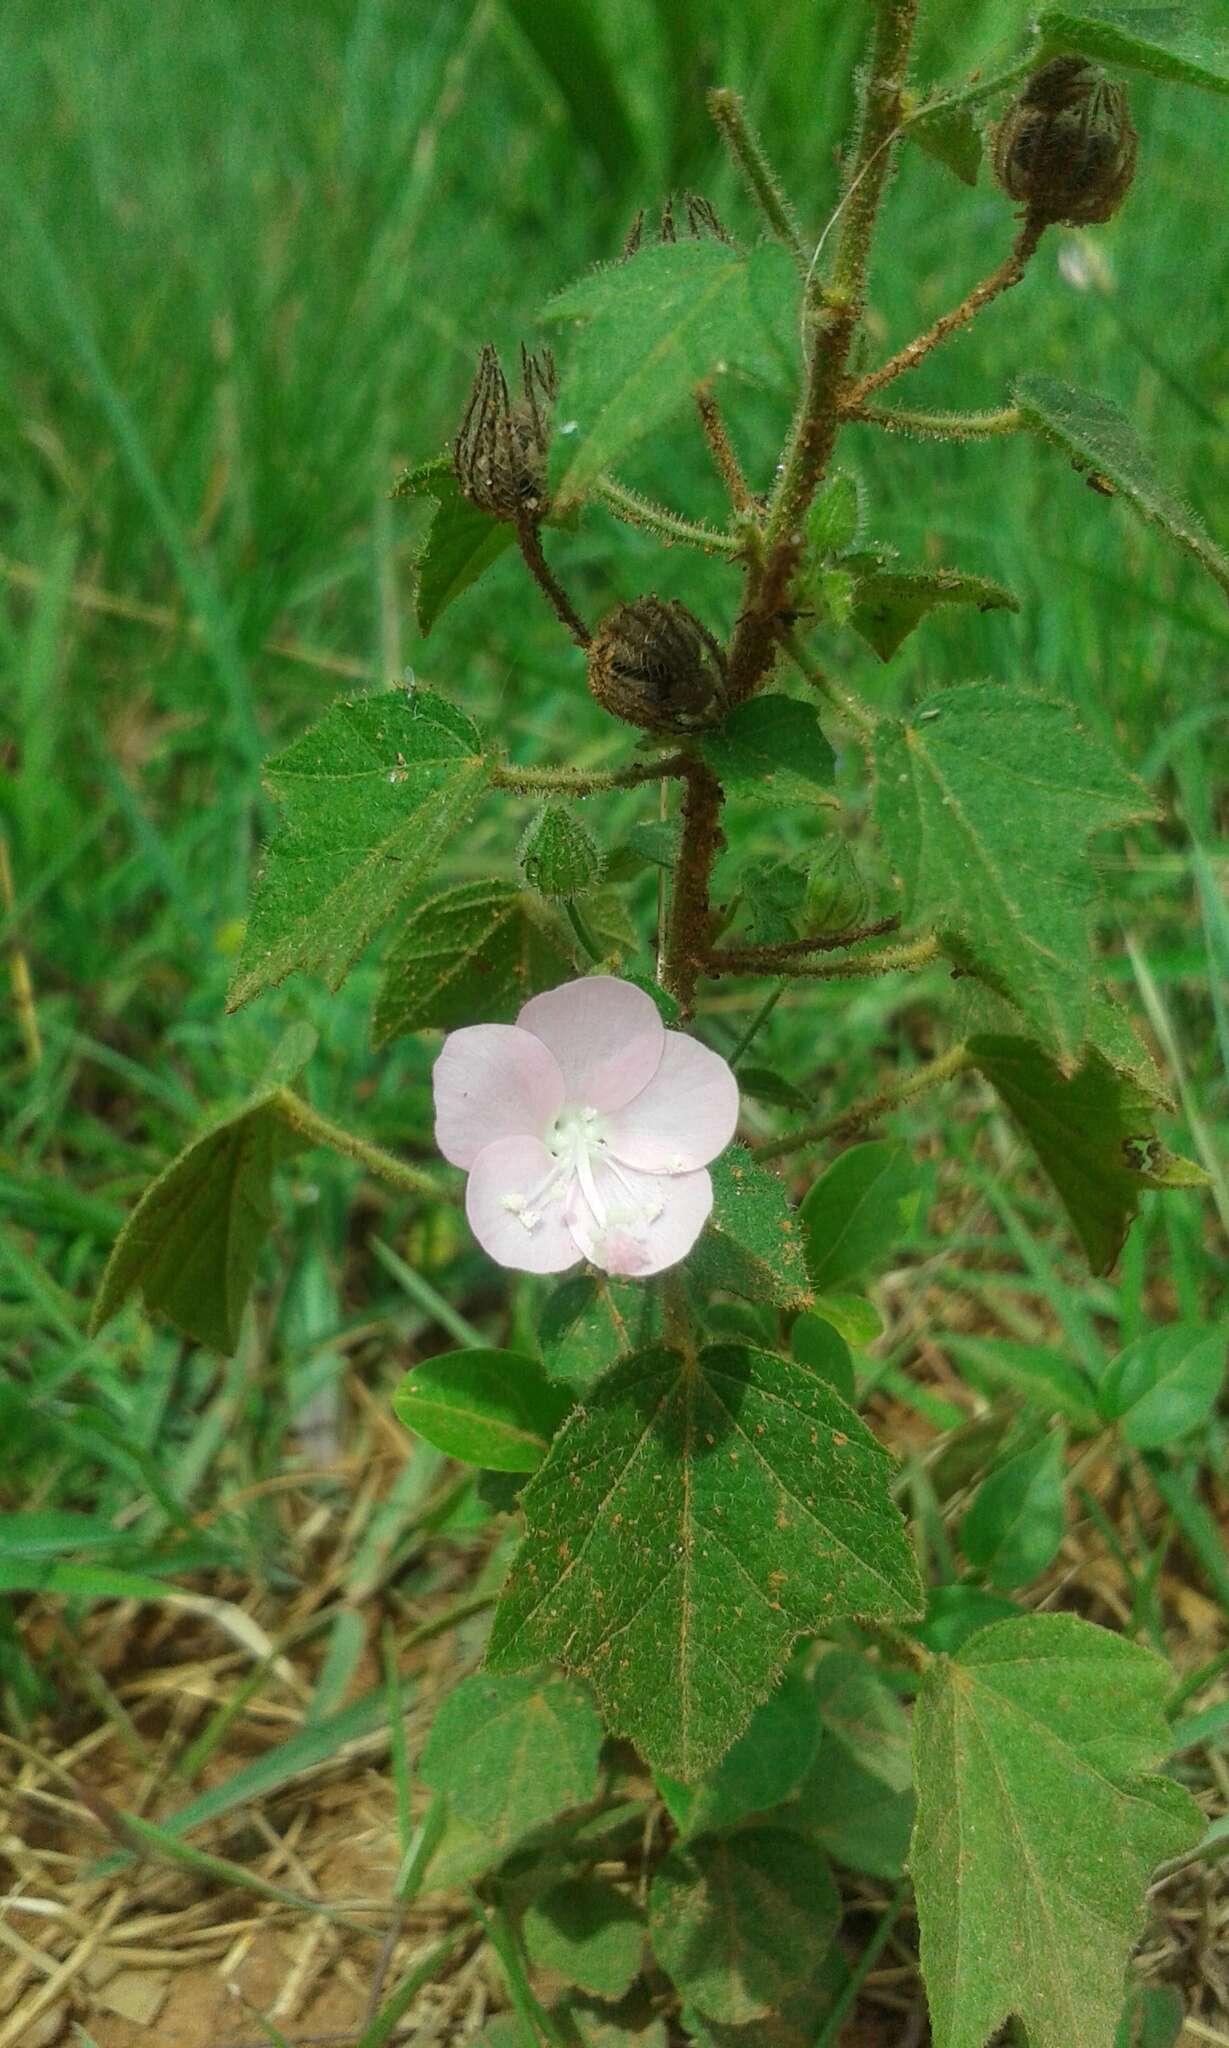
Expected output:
(852, 1317)
(752, 1245)
(591, 1321)
(775, 892)
(460, 544)
(954, 1613)
(1036, 1832)
(772, 748)
(469, 955)
(1044, 1379)
(588, 1932)
(1165, 1384)
(1164, 41)
(838, 896)
(950, 135)
(1103, 444)
(1153, 2018)
(817, 1345)
(763, 1768)
(739, 1922)
(652, 329)
(857, 1798)
(369, 797)
(985, 799)
(691, 1520)
(835, 518)
(490, 1408)
(764, 1084)
(1016, 1520)
(629, 2024)
(890, 603)
(191, 1245)
(859, 1212)
(509, 1752)
(1093, 1132)
(559, 855)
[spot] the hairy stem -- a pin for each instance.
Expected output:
(780, 958)
(576, 782)
(529, 538)
(843, 701)
(938, 426)
(637, 511)
(981, 90)
(690, 923)
(745, 147)
(729, 469)
(872, 1107)
(1008, 274)
(320, 1130)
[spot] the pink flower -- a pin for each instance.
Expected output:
(585, 1128)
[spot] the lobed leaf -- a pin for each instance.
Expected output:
(765, 1765)
(490, 1408)
(589, 1933)
(591, 1321)
(469, 955)
(889, 604)
(772, 748)
(742, 1921)
(510, 1751)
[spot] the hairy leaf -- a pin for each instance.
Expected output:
(1104, 446)
(1165, 1384)
(510, 1751)
(772, 748)
(559, 855)
(1094, 1132)
(764, 1766)
(369, 797)
(489, 1408)
(1015, 1522)
(1036, 1830)
(742, 1921)
(691, 1520)
(460, 544)
(857, 1799)
(1168, 42)
(858, 1213)
(588, 1932)
(752, 1245)
(985, 798)
(590, 1321)
(890, 603)
(951, 135)
(191, 1244)
(469, 955)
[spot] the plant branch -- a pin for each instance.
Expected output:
(1008, 274)
(321, 1130)
(778, 958)
(576, 782)
(529, 538)
(872, 1107)
(637, 511)
(843, 702)
(730, 115)
(721, 448)
(976, 94)
(938, 426)
(690, 923)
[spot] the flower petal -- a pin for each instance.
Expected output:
(686, 1115)
(644, 1222)
(605, 1033)
(515, 1212)
(493, 1081)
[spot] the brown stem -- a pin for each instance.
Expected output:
(1009, 273)
(777, 959)
(721, 448)
(690, 925)
(530, 539)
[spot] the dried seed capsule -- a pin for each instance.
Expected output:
(1066, 149)
(654, 664)
(499, 456)
(703, 223)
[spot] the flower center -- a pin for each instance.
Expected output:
(575, 1139)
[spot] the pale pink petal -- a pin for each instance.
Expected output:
(515, 1200)
(605, 1033)
(686, 1115)
(642, 1222)
(493, 1081)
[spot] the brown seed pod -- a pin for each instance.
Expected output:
(652, 663)
(499, 455)
(1066, 150)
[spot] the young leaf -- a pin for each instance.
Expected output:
(1104, 446)
(489, 1408)
(742, 1921)
(763, 1768)
(691, 1519)
(191, 1244)
(835, 517)
(772, 748)
(461, 542)
(1093, 1131)
(985, 798)
(1037, 1830)
(559, 855)
(1015, 1523)
(889, 603)
(1165, 1384)
(1164, 41)
(650, 330)
(369, 796)
(510, 1752)
(817, 1345)
(951, 135)
(752, 1245)
(588, 1932)
(470, 955)
(852, 1316)
(591, 1321)
(859, 1212)
(858, 1797)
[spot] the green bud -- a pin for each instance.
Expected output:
(837, 895)
(835, 518)
(559, 856)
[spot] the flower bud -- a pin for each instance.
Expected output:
(499, 456)
(1066, 149)
(559, 856)
(837, 897)
(653, 664)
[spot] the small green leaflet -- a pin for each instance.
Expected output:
(559, 855)
(469, 955)
(857, 1799)
(950, 135)
(889, 603)
(691, 1520)
(369, 797)
(1037, 1830)
(191, 1244)
(752, 1244)
(985, 798)
(649, 331)
(1102, 443)
(742, 1921)
(772, 748)
(461, 542)
(763, 1768)
(1165, 1384)
(588, 1933)
(1093, 1132)
(509, 1752)
(859, 1212)
(1015, 1522)
(1165, 41)
(489, 1408)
